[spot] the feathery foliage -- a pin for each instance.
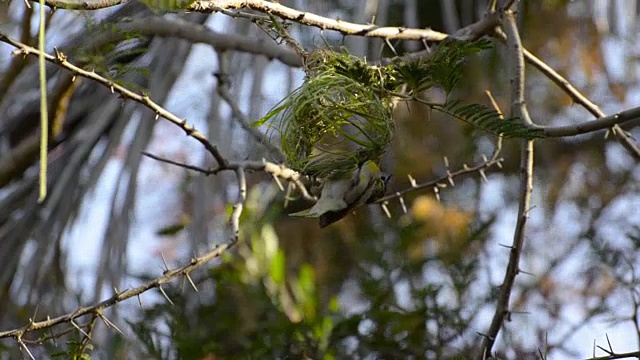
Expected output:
(488, 119)
(441, 68)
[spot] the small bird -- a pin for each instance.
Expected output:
(340, 195)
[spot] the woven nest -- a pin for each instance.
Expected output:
(332, 123)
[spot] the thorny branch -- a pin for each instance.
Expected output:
(168, 275)
(446, 179)
(603, 121)
(321, 22)
(61, 60)
(519, 109)
(276, 170)
(97, 310)
(483, 27)
(611, 355)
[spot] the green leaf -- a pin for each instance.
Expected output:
(443, 67)
(172, 229)
(489, 120)
(273, 112)
(277, 268)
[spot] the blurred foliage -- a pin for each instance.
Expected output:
(259, 305)
(76, 350)
(113, 59)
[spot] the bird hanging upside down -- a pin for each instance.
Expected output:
(342, 194)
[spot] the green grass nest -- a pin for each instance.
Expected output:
(336, 120)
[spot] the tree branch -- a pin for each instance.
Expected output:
(519, 109)
(605, 122)
(310, 19)
(61, 60)
(156, 25)
(278, 171)
(611, 121)
(120, 296)
(466, 170)
(82, 4)
(473, 31)
(627, 355)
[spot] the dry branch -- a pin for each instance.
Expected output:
(519, 109)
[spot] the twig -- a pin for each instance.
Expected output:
(622, 136)
(195, 33)
(428, 184)
(82, 4)
(119, 297)
(627, 355)
(602, 123)
(223, 91)
(526, 188)
(276, 170)
(310, 19)
(496, 107)
(179, 164)
(61, 60)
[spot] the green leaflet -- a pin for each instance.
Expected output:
(488, 119)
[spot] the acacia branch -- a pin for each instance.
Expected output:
(473, 31)
(519, 109)
(278, 171)
(344, 27)
(612, 356)
(61, 60)
(603, 122)
(466, 170)
(121, 296)
(96, 310)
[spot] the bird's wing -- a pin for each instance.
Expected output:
(362, 183)
(331, 199)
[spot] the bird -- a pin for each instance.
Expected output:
(342, 194)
